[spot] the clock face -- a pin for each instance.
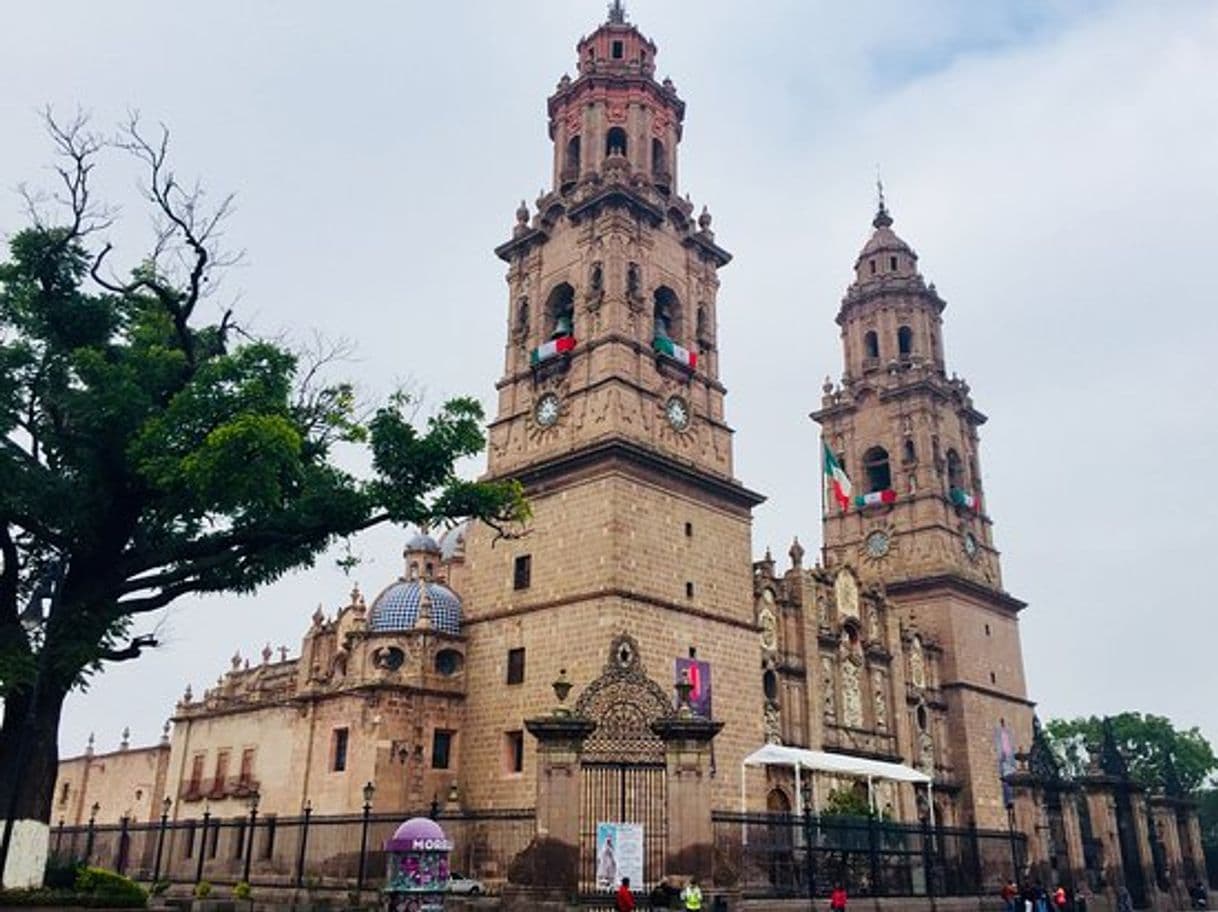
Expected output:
(877, 544)
(547, 410)
(678, 413)
(970, 545)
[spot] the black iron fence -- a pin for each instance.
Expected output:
(783, 855)
(307, 851)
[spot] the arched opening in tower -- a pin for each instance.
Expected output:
(667, 314)
(560, 311)
(875, 465)
(615, 142)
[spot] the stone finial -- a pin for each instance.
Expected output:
(617, 13)
(319, 616)
(267, 652)
(704, 220)
(357, 597)
(126, 742)
(522, 214)
(89, 746)
(796, 553)
(827, 386)
(188, 695)
(283, 653)
(165, 732)
(235, 661)
(245, 665)
(669, 85)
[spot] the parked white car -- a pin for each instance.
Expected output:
(459, 883)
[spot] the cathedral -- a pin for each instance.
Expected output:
(625, 658)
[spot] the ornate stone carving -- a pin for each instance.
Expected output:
(846, 591)
(624, 703)
(828, 688)
(880, 688)
(917, 663)
(852, 697)
(926, 753)
(773, 728)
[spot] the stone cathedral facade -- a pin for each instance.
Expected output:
(636, 583)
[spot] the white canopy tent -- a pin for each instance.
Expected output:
(837, 764)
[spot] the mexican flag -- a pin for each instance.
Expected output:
(666, 346)
(875, 498)
(965, 499)
(559, 346)
(836, 479)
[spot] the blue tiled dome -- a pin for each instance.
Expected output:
(397, 608)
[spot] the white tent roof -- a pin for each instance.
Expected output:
(841, 764)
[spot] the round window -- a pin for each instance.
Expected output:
(448, 662)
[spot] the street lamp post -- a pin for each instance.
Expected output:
(120, 859)
(369, 790)
(160, 838)
(249, 843)
(89, 837)
(1014, 850)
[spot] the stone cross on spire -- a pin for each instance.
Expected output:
(882, 218)
(617, 13)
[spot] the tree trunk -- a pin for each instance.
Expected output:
(29, 752)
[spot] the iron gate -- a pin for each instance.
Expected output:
(623, 793)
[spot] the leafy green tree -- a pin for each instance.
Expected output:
(1158, 754)
(146, 454)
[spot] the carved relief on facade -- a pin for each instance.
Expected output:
(846, 591)
(828, 688)
(917, 663)
(926, 753)
(773, 728)
(880, 688)
(852, 697)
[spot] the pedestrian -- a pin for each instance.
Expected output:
(1124, 900)
(1009, 892)
(837, 899)
(1042, 897)
(661, 896)
(624, 901)
(1059, 898)
(1080, 899)
(691, 896)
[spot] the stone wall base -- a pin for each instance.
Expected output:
(27, 854)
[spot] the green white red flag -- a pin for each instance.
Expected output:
(875, 498)
(666, 346)
(559, 346)
(964, 499)
(836, 479)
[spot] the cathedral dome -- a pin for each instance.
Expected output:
(397, 608)
(422, 542)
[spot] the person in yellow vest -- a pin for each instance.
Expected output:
(691, 896)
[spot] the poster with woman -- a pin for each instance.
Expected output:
(619, 853)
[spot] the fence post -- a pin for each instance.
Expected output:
(249, 842)
(160, 839)
(89, 835)
(59, 837)
(873, 851)
(120, 858)
(809, 857)
(928, 858)
(202, 846)
(304, 838)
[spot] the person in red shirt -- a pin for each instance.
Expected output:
(624, 901)
(837, 899)
(1009, 892)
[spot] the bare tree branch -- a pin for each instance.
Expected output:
(133, 650)
(76, 146)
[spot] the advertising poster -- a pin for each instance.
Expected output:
(1004, 746)
(700, 677)
(619, 853)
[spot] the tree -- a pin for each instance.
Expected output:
(146, 454)
(1159, 755)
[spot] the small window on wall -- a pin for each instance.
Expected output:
(769, 683)
(615, 142)
(905, 341)
(955, 470)
(515, 665)
(618, 50)
(338, 750)
(513, 752)
(441, 747)
(522, 572)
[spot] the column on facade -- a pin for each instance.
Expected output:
(1101, 805)
(1137, 802)
(687, 749)
(555, 853)
(1163, 817)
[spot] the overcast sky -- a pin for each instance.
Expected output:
(1055, 165)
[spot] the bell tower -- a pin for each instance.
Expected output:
(611, 413)
(905, 433)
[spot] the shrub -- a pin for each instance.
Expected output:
(40, 896)
(99, 887)
(242, 891)
(60, 872)
(160, 887)
(202, 889)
